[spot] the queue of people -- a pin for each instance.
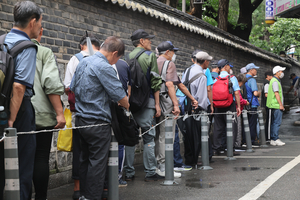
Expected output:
(92, 82)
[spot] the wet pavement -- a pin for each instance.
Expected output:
(228, 180)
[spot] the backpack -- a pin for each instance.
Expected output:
(222, 92)
(7, 68)
(165, 102)
(140, 88)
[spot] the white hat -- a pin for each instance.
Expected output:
(203, 56)
(277, 69)
(243, 70)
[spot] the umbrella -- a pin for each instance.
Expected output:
(89, 44)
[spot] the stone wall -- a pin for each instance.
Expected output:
(65, 21)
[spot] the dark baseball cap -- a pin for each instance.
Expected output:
(167, 45)
(292, 74)
(223, 62)
(140, 33)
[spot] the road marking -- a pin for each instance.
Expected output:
(261, 188)
(264, 157)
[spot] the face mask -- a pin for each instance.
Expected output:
(174, 57)
(281, 75)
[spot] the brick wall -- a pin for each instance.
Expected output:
(65, 21)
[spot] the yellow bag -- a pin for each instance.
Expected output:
(64, 141)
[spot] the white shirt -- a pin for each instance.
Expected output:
(71, 68)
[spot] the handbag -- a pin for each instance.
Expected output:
(64, 141)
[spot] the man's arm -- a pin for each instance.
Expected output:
(129, 91)
(292, 86)
(124, 103)
(266, 94)
(157, 106)
(237, 100)
(18, 92)
(56, 103)
(256, 93)
(279, 100)
(172, 95)
(185, 91)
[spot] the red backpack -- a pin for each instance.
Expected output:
(222, 92)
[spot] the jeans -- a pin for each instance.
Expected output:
(275, 123)
(178, 162)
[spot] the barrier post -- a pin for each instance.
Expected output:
(113, 172)
(247, 132)
(229, 137)
(11, 162)
(262, 130)
(204, 143)
(169, 159)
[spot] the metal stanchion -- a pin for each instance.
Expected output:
(204, 143)
(113, 182)
(169, 159)
(247, 132)
(229, 137)
(12, 182)
(262, 130)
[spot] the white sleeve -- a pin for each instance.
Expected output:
(71, 68)
(266, 88)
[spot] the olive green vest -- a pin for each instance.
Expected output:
(271, 100)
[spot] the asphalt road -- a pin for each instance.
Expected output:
(270, 173)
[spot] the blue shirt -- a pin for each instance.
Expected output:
(124, 73)
(95, 85)
(214, 75)
(25, 62)
(235, 83)
(295, 79)
(253, 86)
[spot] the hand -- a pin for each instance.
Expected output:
(195, 103)
(158, 111)
(238, 111)
(248, 103)
(10, 123)
(281, 108)
(176, 111)
(61, 122)
(212, 108)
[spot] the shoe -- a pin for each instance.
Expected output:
(76, 195)
(279, 142)
(254, 146)
(183, 168)
(129, 178)
(155, 177)
(122, 183)
(273, 143)
(163, 174)
(83, 198)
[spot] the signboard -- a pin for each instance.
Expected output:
(269, 12)
(284, 5)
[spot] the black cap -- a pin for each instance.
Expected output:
(223, 62)
(268, 73)
(140, 33)
(167, 45)
(292, 74)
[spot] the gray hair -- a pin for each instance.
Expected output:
(24, 11)
(136, 42)
(241, 78)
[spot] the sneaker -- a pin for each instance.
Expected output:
(273, 143)
(122, 183)
(163, 174)
(279, 142)
(183, 168)
(155, 177)
(129, 178)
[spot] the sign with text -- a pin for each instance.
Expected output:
(281, 6)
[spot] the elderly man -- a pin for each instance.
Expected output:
(95, 83)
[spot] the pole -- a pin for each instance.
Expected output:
(204, 143)
(262, 130)
(183, 6)
(12, 182)
(247, 132)
(113, 179)
(229, 137)
(169, 159)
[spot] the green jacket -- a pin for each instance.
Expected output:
(46, 81)
(271, 99)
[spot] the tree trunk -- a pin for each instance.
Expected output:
(196, 9)
(223, 14)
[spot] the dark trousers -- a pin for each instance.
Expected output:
(25, 122)
(41, 164)
(76, 154)
(178, 162)
(95, 143)
(210, 117)
(252, 118)
(219, 136)
(268, 119)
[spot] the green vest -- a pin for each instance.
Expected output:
(271, 99)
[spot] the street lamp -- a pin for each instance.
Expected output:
(198, 1)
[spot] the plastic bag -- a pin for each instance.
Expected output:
(64, 141)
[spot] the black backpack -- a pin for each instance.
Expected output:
(140, 89)
(7, 68)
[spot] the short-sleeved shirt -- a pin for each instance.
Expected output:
(207, 74)
(253, 86)
(235, 84)
(295, 79)
(124, 73)
(171, 71)
(95, 84)
(25, 62)
(275, 87)
(266, 88)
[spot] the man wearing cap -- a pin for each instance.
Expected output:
(252, 97)
(294, 78)
(219, 135)
(145, 117)
(275, 104)
(264, 92)
(166, 52)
